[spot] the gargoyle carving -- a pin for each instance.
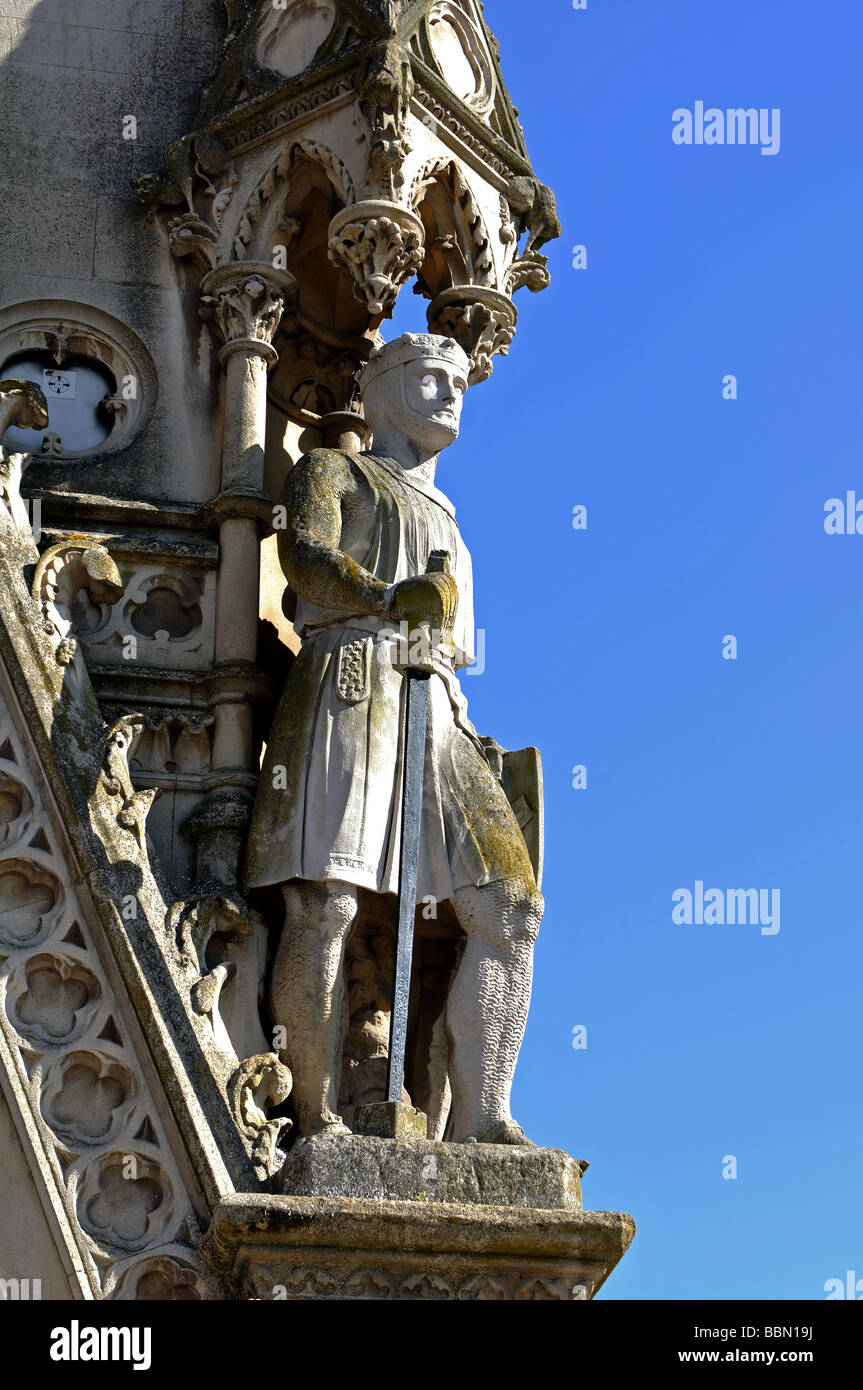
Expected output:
(535, 205)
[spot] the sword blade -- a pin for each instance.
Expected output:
(416, 725)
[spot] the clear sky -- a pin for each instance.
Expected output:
(605, 646)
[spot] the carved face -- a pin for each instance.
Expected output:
(422, 399)
(434, 392)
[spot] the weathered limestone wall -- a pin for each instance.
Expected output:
(70, 72)
(27, 1250)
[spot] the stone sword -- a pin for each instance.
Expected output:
(416, 729)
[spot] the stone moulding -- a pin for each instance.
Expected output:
(302, 1248)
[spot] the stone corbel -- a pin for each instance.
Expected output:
(481, 320)
(190, 237)
(63, 574)
(379, 245)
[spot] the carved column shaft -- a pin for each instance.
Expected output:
(244, 303)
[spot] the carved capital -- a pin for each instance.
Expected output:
(380, 246)
(481, 320)
(243, 302)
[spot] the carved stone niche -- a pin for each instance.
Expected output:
(458, 246)
(285, 222)
(314, 386)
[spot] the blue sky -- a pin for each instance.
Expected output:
(604, 647)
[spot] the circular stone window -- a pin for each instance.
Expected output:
(82, 399)
(98, 378)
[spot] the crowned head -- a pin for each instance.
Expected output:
(415, 386)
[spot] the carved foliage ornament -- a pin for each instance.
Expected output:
(380, 246)
(481, 320)
(243, 303)
(75, 585)
(257, 1083)
(22, 404)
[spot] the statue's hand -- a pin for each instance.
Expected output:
(427, 598)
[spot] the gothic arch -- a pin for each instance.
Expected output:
(265, 210)
(457, 244)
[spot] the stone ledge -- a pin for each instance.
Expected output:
(289, 1248)
(419, 1170)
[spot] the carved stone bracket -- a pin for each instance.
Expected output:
(75, 586)
(257, 1083)
(380, 246)
(243, 303)
(481, 320)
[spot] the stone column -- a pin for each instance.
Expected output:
(243, 302)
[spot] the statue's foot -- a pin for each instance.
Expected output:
(505, 1132)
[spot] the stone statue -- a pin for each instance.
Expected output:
(359, 533)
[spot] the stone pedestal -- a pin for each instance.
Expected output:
(369, 1218)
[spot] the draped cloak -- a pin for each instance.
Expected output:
(329, 802)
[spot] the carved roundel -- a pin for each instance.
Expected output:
(292, 32)
(30, 902)
(88, 1097)
(125, 1200)
(461, 54)
(16, 806)
(162, 1278)
(52, 999)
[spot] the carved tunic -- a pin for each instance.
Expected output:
(328, 806)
